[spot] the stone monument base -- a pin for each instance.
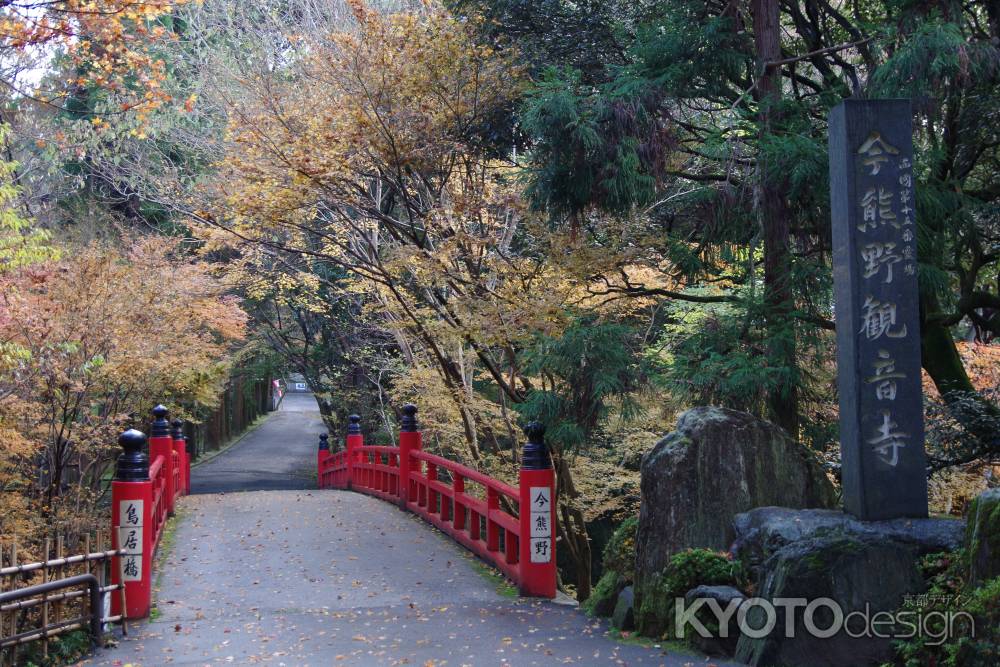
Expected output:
(866, 567)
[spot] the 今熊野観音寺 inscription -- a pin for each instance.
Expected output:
(877, 309)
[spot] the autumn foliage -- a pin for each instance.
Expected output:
(107, 41)
(87, 344)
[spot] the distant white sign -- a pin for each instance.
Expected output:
(300, 386)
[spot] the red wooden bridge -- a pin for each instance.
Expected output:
(509, 527)
(263, 567)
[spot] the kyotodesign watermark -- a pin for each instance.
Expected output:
(820, 617)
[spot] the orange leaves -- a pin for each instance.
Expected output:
(107, 40)
(103, 328)
(87, 340)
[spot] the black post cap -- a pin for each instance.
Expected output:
(535, 455)
(133, 464)
(409, 424)
(161, 427)
(324, 442)
(177, 433)
(354, 427)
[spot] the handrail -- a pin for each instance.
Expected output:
(156, 467)
(159, 511)
(512, 527)
(59, 562)
(56, 628)
(144, 494)
(378, 449)
(468, 473)
(463, 517)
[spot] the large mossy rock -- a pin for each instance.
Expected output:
(982, 537)
(623, 617)
(814, 554)
(861, 573)
(717, 463)
(721, 641)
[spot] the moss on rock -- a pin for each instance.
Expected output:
(686, 570)
(982, 537)
(604, 596)
(619, 570)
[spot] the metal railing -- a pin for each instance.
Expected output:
(55, 605)
(38, 594)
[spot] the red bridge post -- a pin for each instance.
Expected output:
(354, 440)
(410, 439)
(322, 454)
(161, 444)
(180, 446)
(132, 527)
(537, 514)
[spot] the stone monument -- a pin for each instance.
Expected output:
(877, 309)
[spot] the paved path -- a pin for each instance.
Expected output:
(278, 454)
(309, 577)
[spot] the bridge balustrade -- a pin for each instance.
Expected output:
(519, 542)
(143, 496)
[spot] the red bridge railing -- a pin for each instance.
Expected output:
(143, 496)
(510, 527)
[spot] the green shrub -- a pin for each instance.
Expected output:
(948, 593)
(619, 570)
(686, 570)
(619, 553)
(63, 650)
(604, 596)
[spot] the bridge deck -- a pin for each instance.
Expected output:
(308, 577)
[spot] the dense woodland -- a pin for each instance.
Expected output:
(590, 214)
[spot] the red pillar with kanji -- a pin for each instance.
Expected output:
(132, 528)
(537, 514)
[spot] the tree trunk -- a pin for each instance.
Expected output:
(939, 357)
(573, 527)
(782, 399)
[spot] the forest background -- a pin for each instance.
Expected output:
(590, 214)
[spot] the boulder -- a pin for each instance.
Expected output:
(623, 617)
(982, 537)
(718, 642)
(861, 573)
(762, 531)
(718, 463)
